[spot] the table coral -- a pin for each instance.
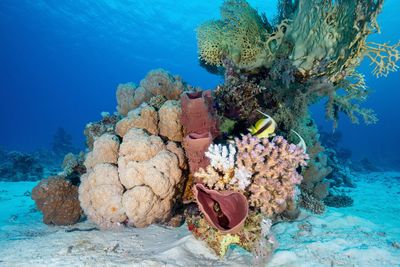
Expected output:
(57, 199)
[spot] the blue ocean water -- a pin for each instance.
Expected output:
(62, 60)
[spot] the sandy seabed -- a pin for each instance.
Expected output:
(366, 234)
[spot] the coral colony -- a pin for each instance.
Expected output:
(228, 161)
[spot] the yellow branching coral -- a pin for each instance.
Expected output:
(355, 90)
(384, 57)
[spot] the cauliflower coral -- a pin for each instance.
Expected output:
(273, 165)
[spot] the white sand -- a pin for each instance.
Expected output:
(362, 235)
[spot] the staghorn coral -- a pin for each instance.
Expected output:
(136, 183)
(273, 165)
(57, 199)
(266, 170)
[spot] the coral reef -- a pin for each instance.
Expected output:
(135, 169)
(57, 199)
(157, 83)
(309, 53)
(135, 182)
(266, 170)
(18, 166)
(246, 185)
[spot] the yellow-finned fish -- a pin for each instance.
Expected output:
(264, 128)
(302, 143)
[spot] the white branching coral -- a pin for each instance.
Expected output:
(222, 158)
(242, 178)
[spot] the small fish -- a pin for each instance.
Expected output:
(264, 128)
(302, 143)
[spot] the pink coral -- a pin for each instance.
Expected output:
(273, 166)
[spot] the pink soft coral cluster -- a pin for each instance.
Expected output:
(273, 165)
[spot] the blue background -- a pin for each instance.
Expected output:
(61, 61)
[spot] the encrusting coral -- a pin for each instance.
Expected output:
(57, 199)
